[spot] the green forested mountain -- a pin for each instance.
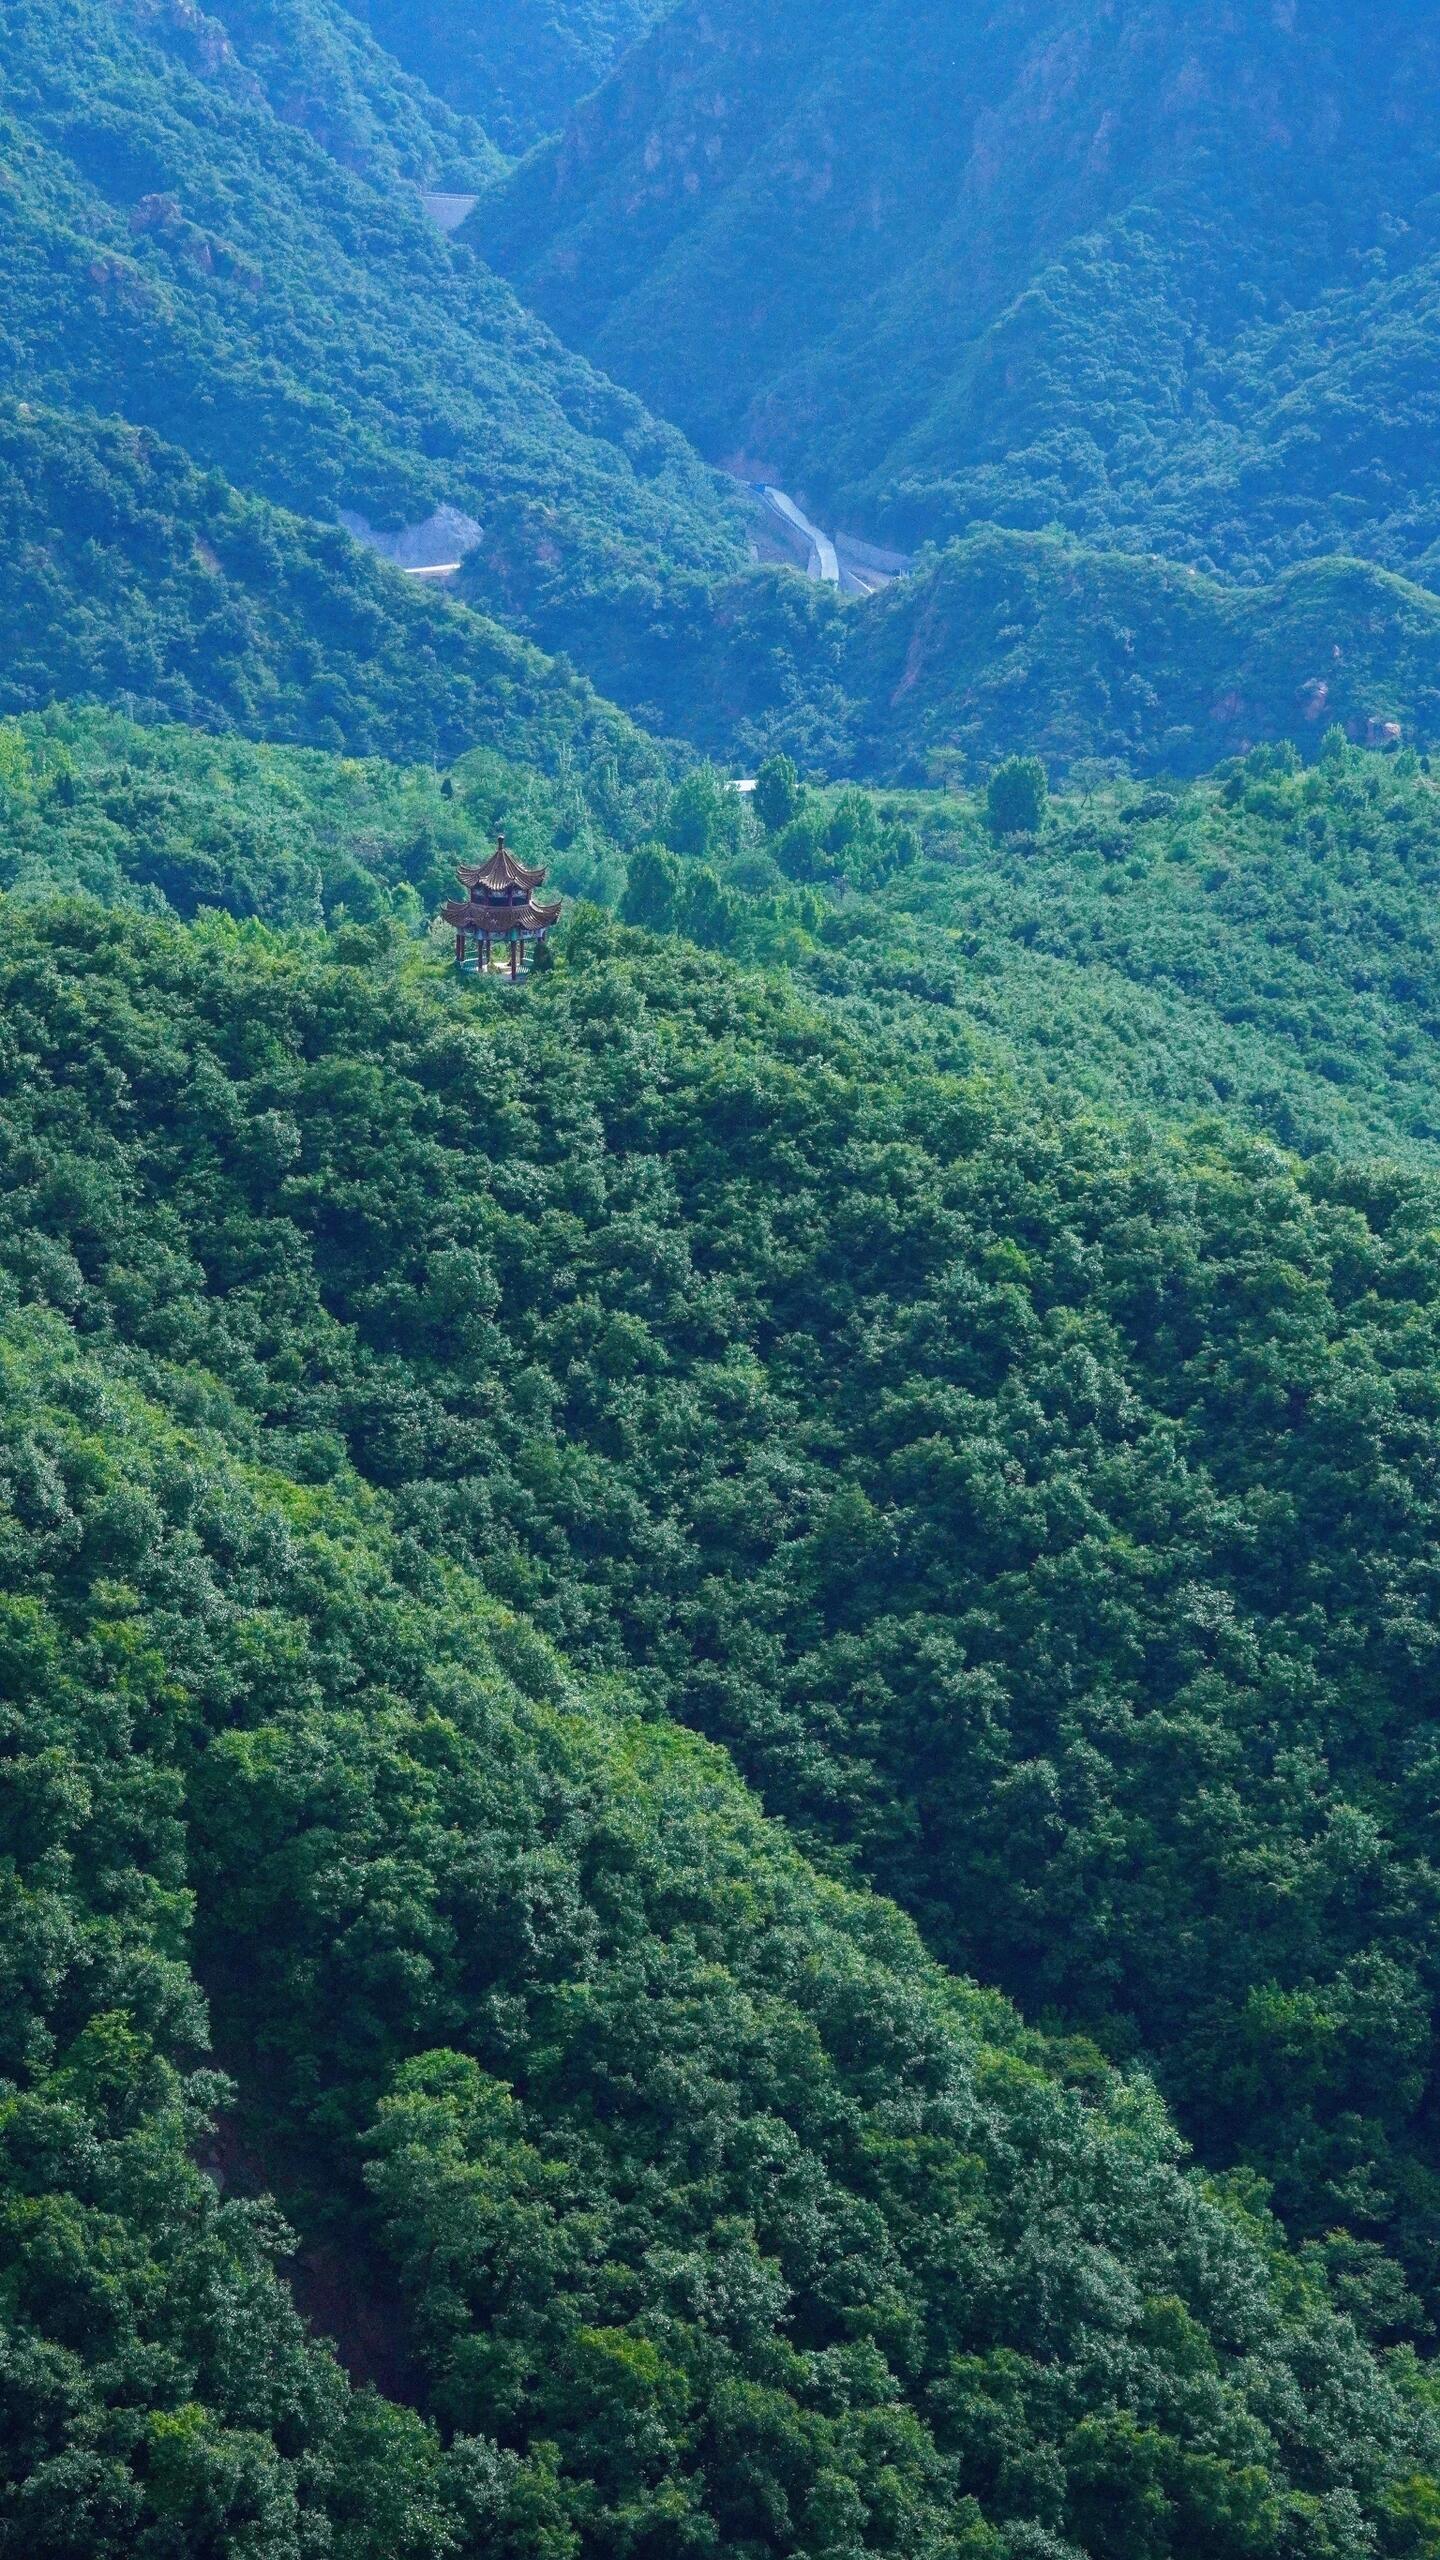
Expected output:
(1162, 276)
(893, 1431)
(180, 252)
(129, 577)
(668, 2190)
(161, 818)
(1012, 643)
(717, 1812)
(1262, 945)
(1259, 945)
(519, 65)
(314, 67)
(216, 235)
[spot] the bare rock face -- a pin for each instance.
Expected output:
(442, 541)
(450, 211)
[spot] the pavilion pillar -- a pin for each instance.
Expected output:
(459, 949)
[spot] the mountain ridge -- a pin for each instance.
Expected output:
(1005, 642)
(520, 66)
(945, 272)
(183, 255)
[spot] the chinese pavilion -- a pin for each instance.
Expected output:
(499, 907)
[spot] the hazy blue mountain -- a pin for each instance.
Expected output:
(181, 251)
(518, 65)
(1164, 275)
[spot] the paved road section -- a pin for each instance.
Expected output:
(824, 562)
(449, 211)
(856, 568)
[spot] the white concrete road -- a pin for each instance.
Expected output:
(856, 568)
(824, 562)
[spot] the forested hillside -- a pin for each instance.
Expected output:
(518, 65)
(314, 67)
(181, 253)
(217, 235)
(1013, 643)
(717, 1791)
(1165, 277)
(164, 819)
(670, 2182)
(766, 1459)
(132, 578)
(1262, 945)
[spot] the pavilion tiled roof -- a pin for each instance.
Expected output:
(501, 872)
(465, 916)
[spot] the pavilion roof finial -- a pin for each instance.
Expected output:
(502, 871)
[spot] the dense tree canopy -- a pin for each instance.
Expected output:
(717, 1791)
(1016, 644)
(183, 253)
(990, 1485)
(688, 2201)
(134, 579)
(519, 65)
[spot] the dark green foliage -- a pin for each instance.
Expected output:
(164, 819)
(723, 882)
(519, 65)
(675, 2180)
(779, 794)
(457, 1441)
(1262, 944)
(1020, 644)
(705, 817)
(1016, 796)
(132, 577)
(654, 888)
(1001, 1503)
(316, 69)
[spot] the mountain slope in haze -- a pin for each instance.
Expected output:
(517, 65)
(179, 253)
(320, 69)
(670, 2193)
(1162, 275)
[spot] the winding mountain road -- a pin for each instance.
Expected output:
(824, 561)
(856, 568)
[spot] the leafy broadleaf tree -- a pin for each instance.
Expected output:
(1016, 797)
(779, 794)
